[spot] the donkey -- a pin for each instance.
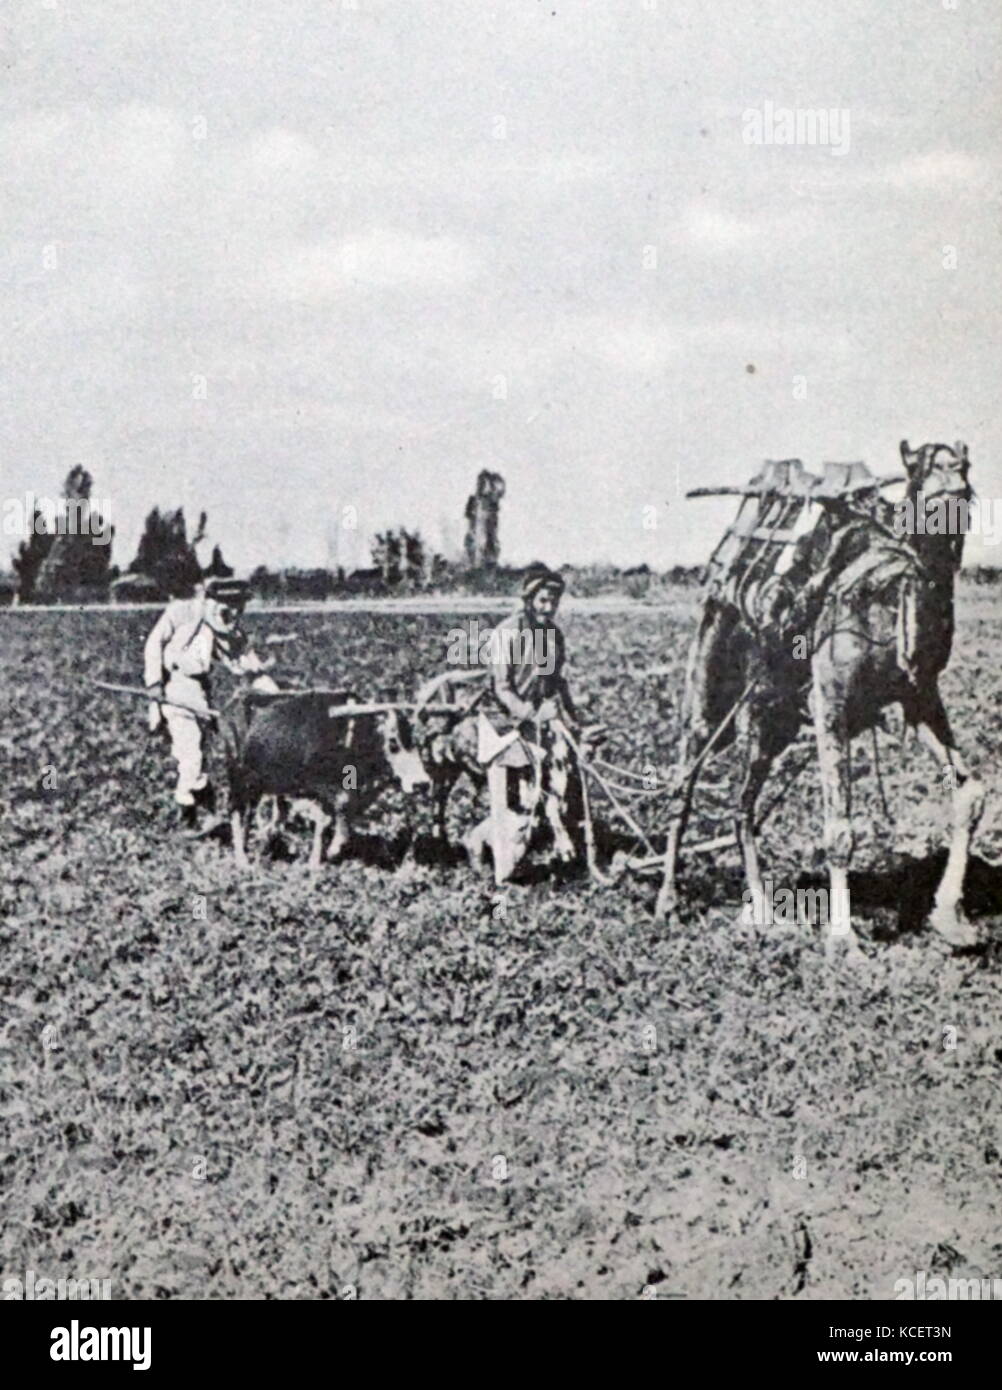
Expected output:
(545, 773)
(878, 605)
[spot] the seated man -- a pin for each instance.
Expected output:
(528, 654)
(527, 761)
(189, 637)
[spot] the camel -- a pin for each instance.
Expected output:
(876, 607)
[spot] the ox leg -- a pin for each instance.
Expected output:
(341, 836)
(832, 735)
(238, 825)
(504, 829)
(474, 842)
(270, 825)
(967, 798)
(439, 803)
(441, 791)
(561, 799)
(321, 820)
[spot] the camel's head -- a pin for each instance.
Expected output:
(937, 500)
(936, 472)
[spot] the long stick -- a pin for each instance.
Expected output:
(205, 714)
(606, 880)
(343, 711)
(367, 707)
(886, 480)
(350, 711)
(714, 738)
(704, 847)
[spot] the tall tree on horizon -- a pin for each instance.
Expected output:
(167, 555)
(77, 563)
(483, 508)
(31, 555)
(386, 554)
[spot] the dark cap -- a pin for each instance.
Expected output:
(540, 576)
(228, 590)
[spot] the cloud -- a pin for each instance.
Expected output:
(711, 230)
(377, 260)
(937, 169)
(631, 347)
(97, 162)
(281, 151)
(946, 171)
(715, 230)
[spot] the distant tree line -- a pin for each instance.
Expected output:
(67, 558)
(62, 562)
(302, 585)
(981, 574)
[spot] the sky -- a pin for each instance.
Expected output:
(310, 265)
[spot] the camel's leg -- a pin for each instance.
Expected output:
(762, 734)
(967, 797)
(715, 672)
(666, 907)
(756, 773)
(832, 734)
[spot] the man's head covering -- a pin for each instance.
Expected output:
(540, 576)
(227, 590)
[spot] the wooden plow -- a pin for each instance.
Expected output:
(623, 797)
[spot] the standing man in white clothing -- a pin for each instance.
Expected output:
(190, 635)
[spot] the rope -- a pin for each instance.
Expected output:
(588, 768)
(708, 747)
(637, 793)
(798, 769)
(610, 788)
(619, 771)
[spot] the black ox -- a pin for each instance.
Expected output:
(304, 746)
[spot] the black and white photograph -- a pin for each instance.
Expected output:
(501, 662)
